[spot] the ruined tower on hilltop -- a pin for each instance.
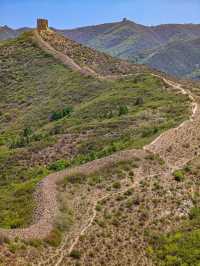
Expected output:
(124, 20)
(42, 24)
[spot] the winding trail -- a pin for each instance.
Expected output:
(169, 145)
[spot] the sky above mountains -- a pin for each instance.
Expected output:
(71, 14)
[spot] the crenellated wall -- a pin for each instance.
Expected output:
(42, 24)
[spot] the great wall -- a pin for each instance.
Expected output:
(170, 146)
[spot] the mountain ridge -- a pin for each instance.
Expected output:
(131, 41)
(138, 43)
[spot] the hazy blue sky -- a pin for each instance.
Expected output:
(74, 13)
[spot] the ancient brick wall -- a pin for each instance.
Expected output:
(42, 24)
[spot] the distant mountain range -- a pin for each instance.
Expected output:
(9, 33)
(172, 48)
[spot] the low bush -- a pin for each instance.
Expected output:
(194, 213)
(59, 165)
(75, 254)
(178, 175)
(66, 112)
(123, 110)
(116, 185)
(76, 179)
(98, 207)
(54, 238)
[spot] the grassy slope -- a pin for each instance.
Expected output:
(33, 85)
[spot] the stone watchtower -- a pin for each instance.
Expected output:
(42, 24)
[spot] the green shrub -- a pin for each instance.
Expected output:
(54, 238)
(76, 179)
(95, 179)
(56, 115)
(16, 246)
(123, 110)
(187, 168)
(181, 247)
(27, 132)
(194, 213)
(59, 165)
(116, 185)
(178, 175)
(98, 207)
(75, 254)
(22, 140)
(35, 243)
(64, 221)
(147, 132)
